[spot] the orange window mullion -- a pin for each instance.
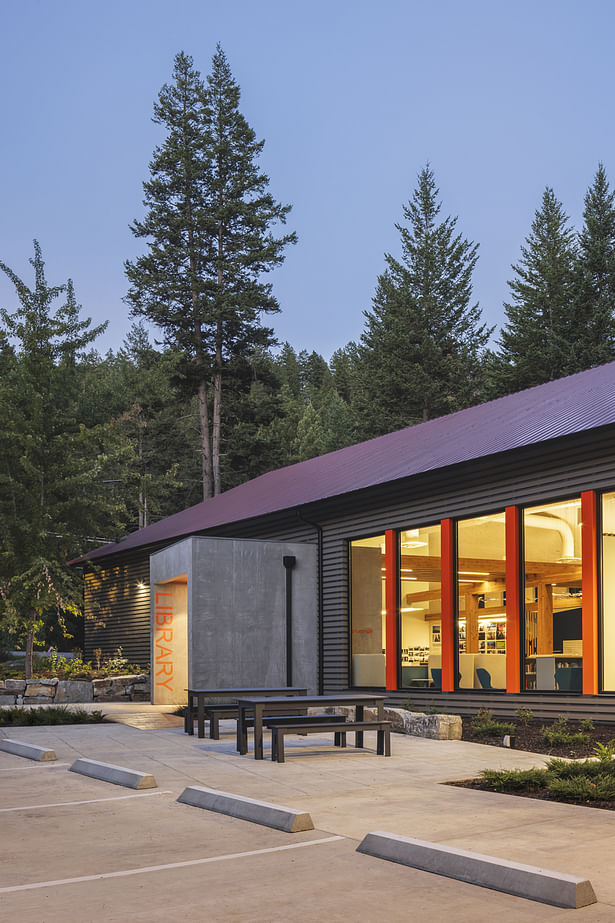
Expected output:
(448, 605)
(390, 565)
(589, 551)
(513, 599)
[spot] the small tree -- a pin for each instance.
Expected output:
(208, 226)
(51, 464)
(420, 353)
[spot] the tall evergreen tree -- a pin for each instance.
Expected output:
(419, 354)
(594, 342)
(537, 343)
(209, 227)
(51, 466)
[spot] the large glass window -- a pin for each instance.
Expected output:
(481, 622)
(553, 645)
(421, 607)
(608, 592)
(368, 612)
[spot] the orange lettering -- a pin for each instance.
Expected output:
(165, 634)
(162, 594)
(166, 669)
(166, 619)
(166, 684)
(163, 651)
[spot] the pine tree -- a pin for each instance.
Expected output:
(51, 465)
(537, 343)
(419, 355)
(208, 227)
(594, 342)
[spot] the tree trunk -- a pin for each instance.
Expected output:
(206, 466)
(216, 421)
(29, 650)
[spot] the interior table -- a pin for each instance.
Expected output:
(201, 694)
(254, 706)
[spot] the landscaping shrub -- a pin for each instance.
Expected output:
(484, 725)
(17, 716)
(514, 780)
(559, 735)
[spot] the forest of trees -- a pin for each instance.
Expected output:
(204, 398)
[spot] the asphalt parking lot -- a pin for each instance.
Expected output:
(79, 849)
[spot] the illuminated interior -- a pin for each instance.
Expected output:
(420, 606)
(368, 644)
(553, 637)
(481, 582)
(608, 592)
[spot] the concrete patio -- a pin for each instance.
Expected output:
(58, 827)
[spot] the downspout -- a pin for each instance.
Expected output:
(318, 527)
(289, 561)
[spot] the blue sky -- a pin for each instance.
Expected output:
(352, 99)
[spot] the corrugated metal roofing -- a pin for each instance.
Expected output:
(560, 408)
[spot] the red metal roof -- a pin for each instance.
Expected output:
(560, 408)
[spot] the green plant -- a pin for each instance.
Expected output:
(514, 780)
(604, 753)
(525, 716)
(17, 716)
(558, 735)
(484, 725)
(583, 788)
(586, 724)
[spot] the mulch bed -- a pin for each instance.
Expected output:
(529, 737)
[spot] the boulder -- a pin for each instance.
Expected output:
(74, 691)
(40, 689)
(37, 700)
(7, 699)
(418, 724)
(15, 685)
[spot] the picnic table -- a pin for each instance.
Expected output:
(201, 694)
(251, 708)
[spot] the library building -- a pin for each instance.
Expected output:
(461, 562)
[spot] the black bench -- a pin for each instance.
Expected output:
(214, 713)
(316, 726)
(298, 720)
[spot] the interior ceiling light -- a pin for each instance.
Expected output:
(415, 543)
(413, 609)
(474, 573)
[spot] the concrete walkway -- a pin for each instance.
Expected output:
(348, 793)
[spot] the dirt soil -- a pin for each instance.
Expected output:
(529, 737)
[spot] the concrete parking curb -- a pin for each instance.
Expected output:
(526, 881)
(30, 751)
(258, 812)
(117, 775)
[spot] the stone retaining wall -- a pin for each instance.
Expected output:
(63, 691)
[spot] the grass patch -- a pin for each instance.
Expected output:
(53, 714)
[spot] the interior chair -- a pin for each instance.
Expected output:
(569, 679)
(436, 675)
(484, 678)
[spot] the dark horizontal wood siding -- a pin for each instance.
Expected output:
(116, 608)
